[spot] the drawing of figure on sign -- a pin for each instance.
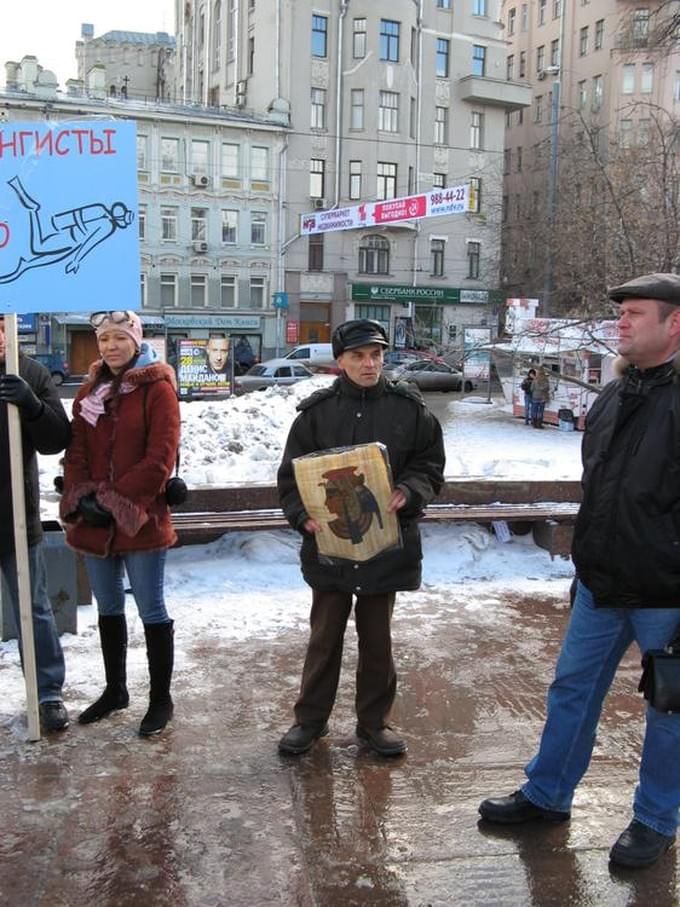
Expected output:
(66, 236)
(352, 502)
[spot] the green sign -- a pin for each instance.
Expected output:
(383, 292)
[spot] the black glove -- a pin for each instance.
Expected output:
(13, 389)
(93, 513)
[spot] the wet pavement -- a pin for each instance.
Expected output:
(209, 814)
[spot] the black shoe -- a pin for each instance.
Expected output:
(517, 808)
(53, 716)
(156, 718)
(300, 738)
(111, 700)
(639, 845)
(381, 740)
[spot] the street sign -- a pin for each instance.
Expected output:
(280, 300)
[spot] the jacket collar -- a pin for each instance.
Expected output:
(350, 389)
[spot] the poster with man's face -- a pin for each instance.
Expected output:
(204, 367)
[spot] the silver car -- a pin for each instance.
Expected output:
(433, 376)
(272, 373)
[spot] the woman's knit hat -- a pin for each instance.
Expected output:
(126, 322)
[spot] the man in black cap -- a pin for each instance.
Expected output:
(358, 408)
(626, 552)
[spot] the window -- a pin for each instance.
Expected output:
(475, 194)
(476, 130)
(228, 292)
(555, 52)
(441, 125)
(374, 255)
(507, 161)
(583, 41)
(199, 291)
(258, 228)
(524, 19)
(479, 7)
(387, 180)
(216, 34)
(357, 100)
(142, 221)
(442, 58)
(231, 30)
(474, 251)
(259, 164)
(169, 224)
(200, 157)
(229, 226)
(557, 9)
(318, 120)
(381, 313)
(170, 155)
(251, 56)
(598, 92)
(230, 160)
(519, 159)
(315, 252)
(478, 60)
(628, 72)
(582, 94)
(512, 13)
(538, 108)
(541, 11)
(319, 36)
(509, 66)
(413, 53)
(437, 249)
(676, 92)
(644, 131)
(199, 224)
(142, 152)
(412, 118)
(355, 179)
(439, 181)
(522, 64)
(389, 40)
(257, 294)
(443, 4)
(599, 34)
(647, 80)
(388, 111)
(626, 133)
(540, 58)
(317, 172)
(640, 26)
(359, 39)
(168, 291)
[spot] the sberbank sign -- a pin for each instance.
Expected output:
(382, 292)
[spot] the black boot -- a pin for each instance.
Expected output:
(160, 652)
(113, 636)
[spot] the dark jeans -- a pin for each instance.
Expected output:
(376, 679)
(49, 657)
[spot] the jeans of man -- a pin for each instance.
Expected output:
(49, 658)
(537, 408)
(146, 572)
(527, 409)
(593, 647)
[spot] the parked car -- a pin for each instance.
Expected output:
(394, 358)
(55, 364)
(313, 355)
(433, 376)
(273, 372)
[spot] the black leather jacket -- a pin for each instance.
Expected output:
(627, 539)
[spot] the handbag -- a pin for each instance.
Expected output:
(660, 681)
(176, 491)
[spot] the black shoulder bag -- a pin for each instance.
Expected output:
(660, 681)
(176, 491)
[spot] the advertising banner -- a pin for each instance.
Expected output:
(477, 361)
(435, 203)
(204, 367)
(68, 216)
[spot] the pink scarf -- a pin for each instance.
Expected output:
(93, 406)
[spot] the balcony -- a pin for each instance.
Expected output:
(494, 92)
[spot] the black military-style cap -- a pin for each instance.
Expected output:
(664, 287)
(353, 334)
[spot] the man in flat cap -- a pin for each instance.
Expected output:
(626, 552)
(359, 407)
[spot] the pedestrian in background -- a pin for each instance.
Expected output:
(540, 395)
(625, 551)
(44, 428)
(359, 407)
(126, 429)
(526, 386)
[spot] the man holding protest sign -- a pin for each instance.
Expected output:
(45, 428)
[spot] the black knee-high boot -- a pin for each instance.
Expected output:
(160, 650)
(113, 636)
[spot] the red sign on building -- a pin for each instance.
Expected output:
(291, 332)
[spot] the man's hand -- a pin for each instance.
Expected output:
(397, 501)
(311, 526)
(93, 513)
(13, 389)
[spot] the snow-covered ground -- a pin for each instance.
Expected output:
(239, 441)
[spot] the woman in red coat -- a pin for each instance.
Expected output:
(126, 429)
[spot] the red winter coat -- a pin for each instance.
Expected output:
(126, 458)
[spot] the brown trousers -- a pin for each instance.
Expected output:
(376, 679)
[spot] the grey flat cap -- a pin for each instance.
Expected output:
(664, 287)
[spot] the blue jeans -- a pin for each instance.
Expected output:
(595, 643)
(537, 408)
(145, 570)
(527, 409)
(49, 658)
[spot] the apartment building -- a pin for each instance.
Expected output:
(383, 100)
(592, 65)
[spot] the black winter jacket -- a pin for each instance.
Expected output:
(626, 545)
(48, 434)
(345, 414)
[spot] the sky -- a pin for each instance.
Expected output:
(49, 29)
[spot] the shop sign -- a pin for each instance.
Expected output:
(213, 322)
